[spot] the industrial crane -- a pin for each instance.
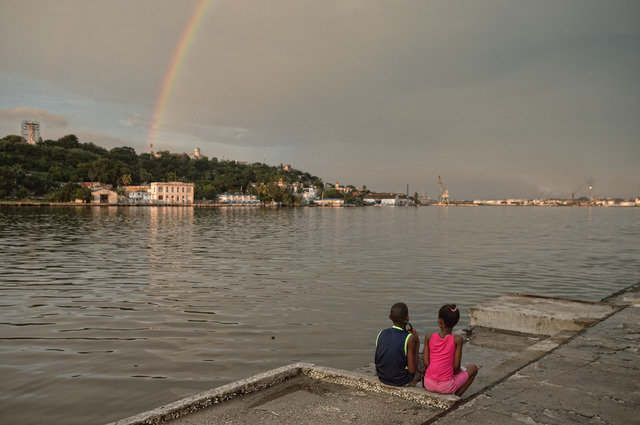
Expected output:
(444, 198)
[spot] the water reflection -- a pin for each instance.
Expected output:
(107, 311)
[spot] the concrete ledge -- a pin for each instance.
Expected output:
(363, 382)
(273, 377)
(538, 315)
(214, 396)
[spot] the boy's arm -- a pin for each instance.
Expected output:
(412, 352)
(457, 339)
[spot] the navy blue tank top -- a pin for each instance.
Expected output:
(391, 357)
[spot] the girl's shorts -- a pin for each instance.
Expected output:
(447, 387)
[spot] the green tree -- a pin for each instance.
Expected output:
(67, 193)
(206, 191)
(55, 173)
(83, 194)
(69, 141)
(124, 154)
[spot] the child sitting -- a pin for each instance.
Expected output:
(443, 354)
(397, 351)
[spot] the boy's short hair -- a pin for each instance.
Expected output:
(399, 312)
(449, 314)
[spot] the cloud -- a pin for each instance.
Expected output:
(135, 120)
(23, 113)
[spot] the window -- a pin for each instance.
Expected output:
(159, 189)
(160, 197)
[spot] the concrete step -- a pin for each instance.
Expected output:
(538, 315)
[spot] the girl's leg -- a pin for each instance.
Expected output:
(472, 371)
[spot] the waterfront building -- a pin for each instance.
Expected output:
(309, 194)
(140, 197)
(238, 199)
(104, 196)
(389, 199)
(330, 202)
(138, 194)
(171, 193)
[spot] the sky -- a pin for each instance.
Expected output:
(501, 98)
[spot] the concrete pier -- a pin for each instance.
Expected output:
(569, 362)
(593, 378)
(537, 315)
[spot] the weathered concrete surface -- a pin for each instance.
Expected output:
(304, 400)
(592, 379)
(537, 315)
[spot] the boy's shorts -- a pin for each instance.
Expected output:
(447, 387)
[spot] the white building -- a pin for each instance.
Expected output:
(309, 194)
(330, 202)
(138, 194)
(238, 199)
(171, 193)
(389, 199)
(142, 197)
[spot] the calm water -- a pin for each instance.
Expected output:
(106, 312)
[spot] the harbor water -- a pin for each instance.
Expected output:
(109, 311)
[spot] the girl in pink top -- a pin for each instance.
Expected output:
(443, 356)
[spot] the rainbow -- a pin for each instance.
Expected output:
(175, 67)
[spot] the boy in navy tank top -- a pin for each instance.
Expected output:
(397, 351)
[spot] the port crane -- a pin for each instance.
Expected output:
(444, 198)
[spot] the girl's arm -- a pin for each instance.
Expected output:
(425, 355)
(457, 339)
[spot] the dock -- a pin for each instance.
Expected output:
(542, 361)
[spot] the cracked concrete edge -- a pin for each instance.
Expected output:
(363, 382)
(537, 314)
(217, 395)
(273, 377)
(629, 296)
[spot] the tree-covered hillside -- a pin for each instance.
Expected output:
(45, 169)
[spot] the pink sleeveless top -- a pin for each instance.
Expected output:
(441, 356)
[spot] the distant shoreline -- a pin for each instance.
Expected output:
(219, 205)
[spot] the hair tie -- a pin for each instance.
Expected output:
(454, 309)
